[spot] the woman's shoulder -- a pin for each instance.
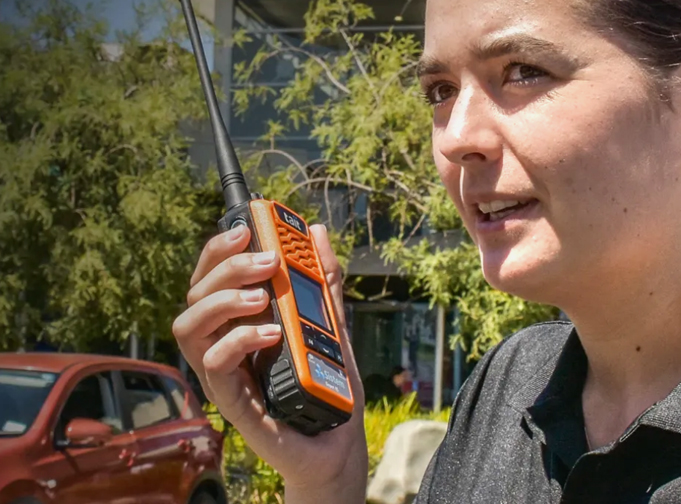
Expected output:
(533, 346)
(519, 358)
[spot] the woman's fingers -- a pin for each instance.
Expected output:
(218, 248)
(233, 273)
(195, 328)
(331, 266)
(234, 390)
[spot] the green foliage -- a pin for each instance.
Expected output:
(380, 420)
(99, 214)
(373, 127)
(251, 481)
(486, 315)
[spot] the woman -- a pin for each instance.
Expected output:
(556, 132)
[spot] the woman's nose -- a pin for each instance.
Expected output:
(470, 135)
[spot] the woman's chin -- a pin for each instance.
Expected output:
(525, 277)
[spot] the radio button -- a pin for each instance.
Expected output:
(323, 338)
(280, 366)
(326, 351)
(339, 358)
(310, 342)
(282, 376)
(322, 344)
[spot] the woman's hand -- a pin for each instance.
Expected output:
(329, 468)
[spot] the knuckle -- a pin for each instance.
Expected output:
(238, 341)
(178, 327)
(214, 245)
(211, 361)
(240, 336)
(192, 297)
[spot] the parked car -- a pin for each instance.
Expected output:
(88, 429)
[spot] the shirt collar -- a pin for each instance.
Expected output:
(665, 414)
(551, 401)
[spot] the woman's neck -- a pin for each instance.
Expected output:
(632, 338)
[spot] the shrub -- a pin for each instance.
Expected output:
(381, 418)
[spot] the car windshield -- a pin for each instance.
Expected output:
(22, 394)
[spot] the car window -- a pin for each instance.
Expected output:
(92, 398)
(147, 399)
(180, 397)
(22, 394)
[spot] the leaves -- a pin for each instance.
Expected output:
(100, 216)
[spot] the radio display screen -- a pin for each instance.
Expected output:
(310, 300)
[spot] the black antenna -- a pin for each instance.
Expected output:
(234, 187)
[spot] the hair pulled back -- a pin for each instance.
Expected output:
(650, 28)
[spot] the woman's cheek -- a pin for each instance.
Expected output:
(450, 175)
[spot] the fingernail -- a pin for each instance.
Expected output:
(264, 257)
(252, 296)
(233, 234)
(269, 330)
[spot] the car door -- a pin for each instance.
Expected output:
(163, 454)
(98, 475)
(202, 442)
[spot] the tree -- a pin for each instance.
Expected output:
(100, 215)
(373, 127)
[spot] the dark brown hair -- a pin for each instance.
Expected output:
(650, 30)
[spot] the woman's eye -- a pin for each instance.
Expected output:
(439, 93)
(519, 73)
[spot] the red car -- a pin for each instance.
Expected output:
(89, 429)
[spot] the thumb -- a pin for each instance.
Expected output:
(330, 265)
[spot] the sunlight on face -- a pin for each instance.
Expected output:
(549, 143)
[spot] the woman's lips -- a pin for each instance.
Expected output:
(501, 220)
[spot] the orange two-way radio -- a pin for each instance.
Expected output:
(303, 378)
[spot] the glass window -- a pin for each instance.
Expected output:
(147, 399)
(22, 394)
(180, 397)
(92, 398)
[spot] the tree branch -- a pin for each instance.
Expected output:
(326, 68)
(317, 59)
(335, 180)
(361, 66)
(288, 156)
(327, 201)
(121, 147)
(392, 79)
(129, 92)
(416, 228)
(34, 130)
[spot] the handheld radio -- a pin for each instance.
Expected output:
(302, 379)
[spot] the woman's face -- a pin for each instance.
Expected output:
(564, 169)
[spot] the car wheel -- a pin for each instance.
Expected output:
(203, 498)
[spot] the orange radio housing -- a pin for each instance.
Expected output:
(303, 378)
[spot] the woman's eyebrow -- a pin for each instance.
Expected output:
(520, 44)
(516, 44)
(429, 65)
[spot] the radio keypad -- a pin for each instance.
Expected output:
(322, 344)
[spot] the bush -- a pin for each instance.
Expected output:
(381, 418)
(250, 480)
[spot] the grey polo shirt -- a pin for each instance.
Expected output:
(517, 435)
